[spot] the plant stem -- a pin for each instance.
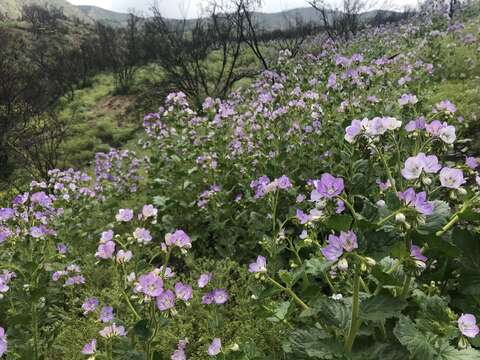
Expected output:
(387, 169)
(130, 305)
(406, 287)
(109, 350)
(291, 293)
(35, 330)
(350, 207)
(455, 217)
(355, 319)
(385, 219)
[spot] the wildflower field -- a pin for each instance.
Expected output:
(329, 210)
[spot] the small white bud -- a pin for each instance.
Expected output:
(342, 264)
(400, 218)
(370, 261)
(427, 181)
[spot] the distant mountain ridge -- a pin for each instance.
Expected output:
(91, 13)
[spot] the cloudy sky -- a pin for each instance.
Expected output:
(177, 8)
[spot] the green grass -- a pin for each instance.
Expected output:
(97, 121)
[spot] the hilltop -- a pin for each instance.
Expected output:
(13, 8)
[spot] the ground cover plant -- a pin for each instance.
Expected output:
(329, 210)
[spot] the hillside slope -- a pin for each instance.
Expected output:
(13, 8)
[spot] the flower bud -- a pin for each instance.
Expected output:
(426, 181)
(400, 218)
(363, 267)
(420, 265)
(381, 203)
(407, 226)
(463, 343)
(370, 262)
(453, 195)
(462, 191)
(342, 264)
(235, 347)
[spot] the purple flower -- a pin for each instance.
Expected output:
(220, 296)
(472, 162)
(332, 80)
(447, 134)
(260, 265)
(383, 185)
(90, 305)
(414, 166)
(112, 330)
(106, 236)
(348, 240)
(340, 206)
(416, 253)
(58, 274)
(42, 199)
(215, 347)
(406, 99)
(123, 256)
(352, 131)
(166, 300)
(451, 178)
(37, 232)
(329, 186)
(75, 280)
(446, 106)
(105, 250)
(434, 127)
(6, 214)
(106, 314)
(178, 238)
(183, 292)
(5, 278)
(417, 201)
(3, 341)
(418, 124)
(284, 183)
(467, 323)
(150, 284)
(5, 233)
(204, 279)
(62, 248)
(207, 299)
(179, 354)
(124, 215)
(302, 217)
(90, 348)
(149, 211)
(334, 248)
(142, 235)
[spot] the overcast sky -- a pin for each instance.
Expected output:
(177, 8)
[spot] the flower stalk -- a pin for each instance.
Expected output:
(355, 318)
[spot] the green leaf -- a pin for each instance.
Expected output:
(339, 222)
(419, 345)
(313, 343)
(317, 266)
(441, 215)
(280, 312)
(381, 307)
(453, 354)
(142, 329)
(332, 312)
